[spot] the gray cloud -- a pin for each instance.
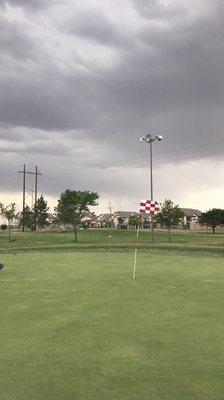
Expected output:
(48, 101)
(63, 106)
(153, 9)
(15, 42)
(94, 25)
(170, 73)
(31, 4)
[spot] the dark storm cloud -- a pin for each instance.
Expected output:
(50, 101)
(163, 74)
(166, 71)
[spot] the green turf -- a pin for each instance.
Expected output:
(76, 326)
(114, 240)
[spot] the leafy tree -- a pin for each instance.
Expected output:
(110, 224)
(134, 221)
(212, 218)
(3, 227)
(28, 218)
(9, 213)
(40, 212)
(84, 224)
(73, 204)
(169, 215)
(120, 222)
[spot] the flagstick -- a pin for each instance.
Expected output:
(135, 258)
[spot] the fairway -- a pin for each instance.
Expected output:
(76, 326)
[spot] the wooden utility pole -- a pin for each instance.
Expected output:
(36, 173)
(24, 191)
(35, 199)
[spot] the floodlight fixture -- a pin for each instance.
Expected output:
(159, 138)
(149, 138)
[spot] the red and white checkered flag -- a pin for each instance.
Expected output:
(149, 207)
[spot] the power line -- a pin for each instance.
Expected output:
(139, 159)
(99, 170)
(165, 157)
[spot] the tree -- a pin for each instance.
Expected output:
(8, 213)
(73, 204)
(28, 217)
(40, 212)
(134, 221)
(120, 221)
(212, 218)
(3, 227)
(169, 215)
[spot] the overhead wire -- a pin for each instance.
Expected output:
(140, 161)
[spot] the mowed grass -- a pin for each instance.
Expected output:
(114, 240)
(74, 325)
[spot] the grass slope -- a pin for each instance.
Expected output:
(76, 326)
(114, 240)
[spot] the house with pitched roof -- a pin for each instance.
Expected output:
(121, 218)
(191, 218)
(89, 220)
(105, 221)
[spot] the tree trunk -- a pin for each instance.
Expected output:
(75, 233)
(169, 234)
(213, 229)
(9, 227)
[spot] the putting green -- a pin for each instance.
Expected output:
(76, 326)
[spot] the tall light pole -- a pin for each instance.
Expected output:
(149, 138)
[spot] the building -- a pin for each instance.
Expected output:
(120, 218)
(105, 221)
(191, 219)
(89, 221)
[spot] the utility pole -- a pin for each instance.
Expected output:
(36, 173)
(35, 199)
(24, 191)
(110, 208)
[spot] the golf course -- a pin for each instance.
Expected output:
(75, 325)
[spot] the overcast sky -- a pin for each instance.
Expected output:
(82, 81)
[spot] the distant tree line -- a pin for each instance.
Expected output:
(72, 205)
(212, 218)
(170, 216)
(37, 216)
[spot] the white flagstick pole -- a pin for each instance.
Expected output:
(135, 258)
